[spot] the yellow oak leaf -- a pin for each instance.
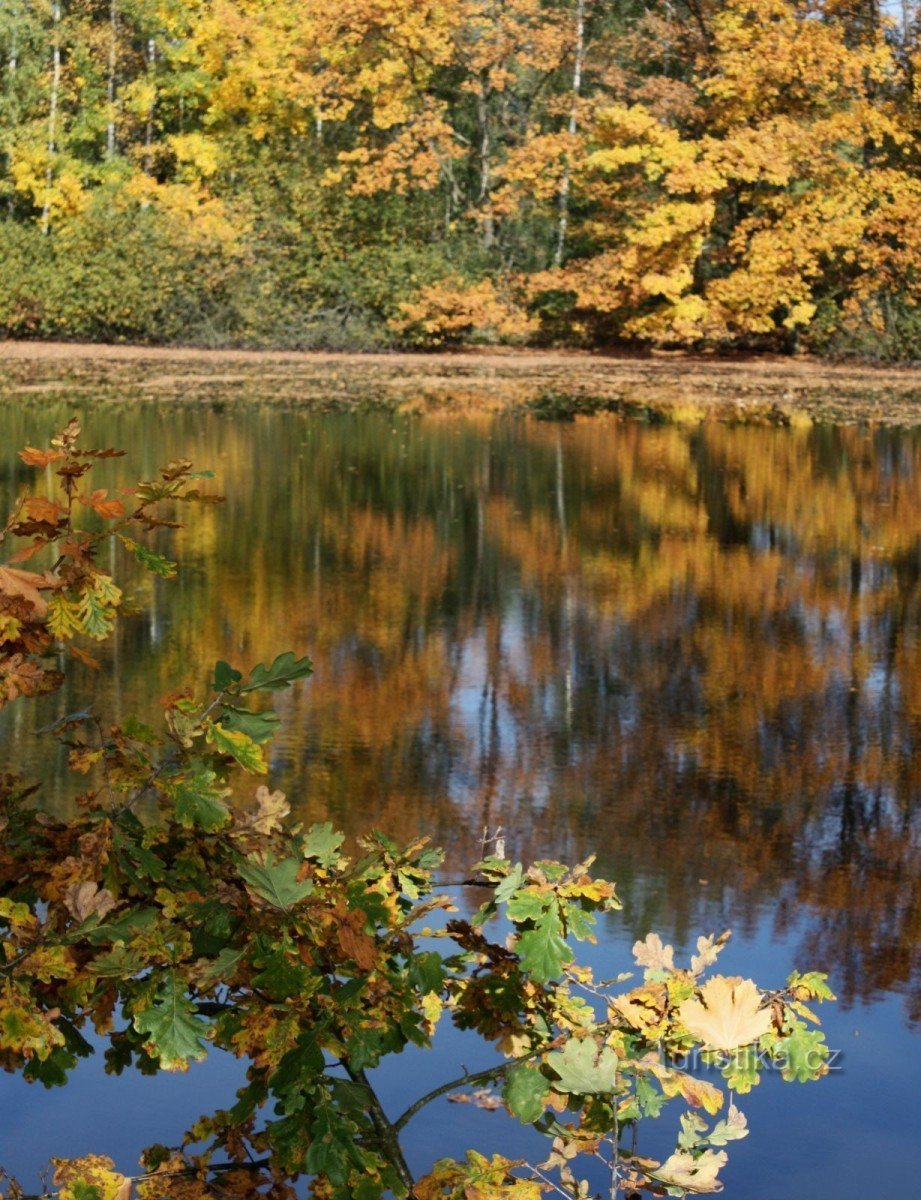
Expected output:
(699, 1174)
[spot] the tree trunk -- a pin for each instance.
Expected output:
(53, 103)
(12, 63)
(149, 127)
(110, 86)
(565, 182)
(489, 224)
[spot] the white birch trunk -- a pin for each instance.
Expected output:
(53, 102)
(110, 86)
(565, 182)
(489, 225)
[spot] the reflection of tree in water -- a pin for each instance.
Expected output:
(695, 651)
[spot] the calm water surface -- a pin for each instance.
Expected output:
(695, 652)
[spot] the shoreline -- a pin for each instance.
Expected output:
(666, 385)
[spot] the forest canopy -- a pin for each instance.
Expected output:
(722, 173)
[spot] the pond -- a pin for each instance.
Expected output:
(693, 651)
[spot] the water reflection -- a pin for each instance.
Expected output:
(694, 651)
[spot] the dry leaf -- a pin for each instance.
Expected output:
(708, 949)
(273, 808)
(28, 585)
(33, 457)
(683, 1170)
(653, 955)
(727, 1015)
(83, 900)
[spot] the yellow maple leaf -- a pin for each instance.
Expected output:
(727, 1015)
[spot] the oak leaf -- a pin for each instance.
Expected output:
(34, 457)
(653, 955)
(272, 810)
(86, 899)
(28, 585)
(699, 1174)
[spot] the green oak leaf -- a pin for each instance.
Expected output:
(583, 1067)
(174, 1031)
(225, 676)
(543, 950)
(528, 905)
(322, 842)
(509, 885)
(802, 1054)
(741, 1071)
(275, 882)
(149, 559)
(239, 746)
(284, 671)
(198, 803)
(814, 983)
(259, 727)
(525, 1092)
(333, 1148)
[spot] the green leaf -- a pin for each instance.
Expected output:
(741, 1071)
(322, 842)
(333, 1146)
(426, 972)
(730, 1129)
(174, 1032)
(649, 1099)
(509, 885)
(282, 974)
(238, 746)
(802, 1055)
(543, 950)
(275, 882)
(221, 968)
(693, 1131)
(583, 1067)
(297, 1070)
(225, 675)
(281, 674)
(525, 1092)
(120, 963)
(199, 803)
(149, 559)
(814, 983)
(259, 727)
(528, 905)
(124, 928)
(96, 617)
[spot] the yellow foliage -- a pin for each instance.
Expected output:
(93, 1170)
(453, 310)
(791, 110)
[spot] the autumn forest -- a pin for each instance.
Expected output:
(699, 173)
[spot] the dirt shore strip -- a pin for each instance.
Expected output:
(667, 386)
